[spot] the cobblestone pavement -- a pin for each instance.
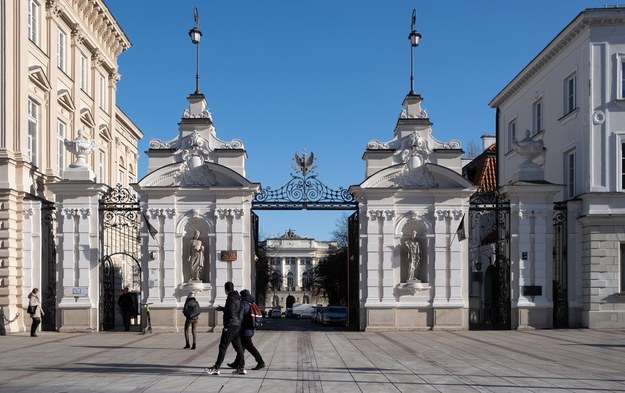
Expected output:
(320, 361)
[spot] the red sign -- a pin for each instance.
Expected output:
(228, 256)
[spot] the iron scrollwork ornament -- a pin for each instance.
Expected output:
(304, 190)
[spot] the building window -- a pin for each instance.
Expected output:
(289, 280)
(84, 72)
(33, 132)
(569, 174)
(33, 21)
(511, 134)
(570, 93)
(61, 45)
(60, 145)
(622, 267)
(102, 166)
(622, 165)
(102, 92)
(537, 116)
(622, 78)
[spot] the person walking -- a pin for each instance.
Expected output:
(34, 305)
(126, 307)
(191, 311)
(230, 332)
(247, 332)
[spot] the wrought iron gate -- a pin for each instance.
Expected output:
(353, 243)
(120, 262)
(306, 192)
(560, 294)
(489, 249)
(48, 264)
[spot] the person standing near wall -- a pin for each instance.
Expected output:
(126, 307)
(34, 305)
(191, 311)
(247, 332)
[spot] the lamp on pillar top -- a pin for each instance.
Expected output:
(414, 38)
(196, 36)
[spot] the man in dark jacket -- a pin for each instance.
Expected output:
(246, 332)
(126, 307)
(230, 332)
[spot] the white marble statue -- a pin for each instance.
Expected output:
(196, 257)
(414, 256)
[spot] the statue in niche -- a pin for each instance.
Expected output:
(196, 257)
(414, 256)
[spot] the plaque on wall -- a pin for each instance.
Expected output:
(228, 256)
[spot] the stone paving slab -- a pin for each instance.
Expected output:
(313, 362)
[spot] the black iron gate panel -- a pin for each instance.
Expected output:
(560, 290)
(353, 244)
(489, 240)
(48, 259)
(120, 226)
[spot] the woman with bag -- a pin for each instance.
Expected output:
(191, 311)
(35, 311)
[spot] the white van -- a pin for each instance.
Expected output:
(303, 310)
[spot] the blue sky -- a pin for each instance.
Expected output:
(325, 75)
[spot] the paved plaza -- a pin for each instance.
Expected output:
(318, 361)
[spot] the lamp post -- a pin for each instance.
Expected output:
(196, 36)
(414, 38)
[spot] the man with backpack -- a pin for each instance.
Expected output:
(230, 332)
(248, 325)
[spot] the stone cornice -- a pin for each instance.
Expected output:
(585, 19)
(93, 23)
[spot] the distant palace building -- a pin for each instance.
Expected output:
(293, 258)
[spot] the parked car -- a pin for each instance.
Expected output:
(335, 315)
(275, 313)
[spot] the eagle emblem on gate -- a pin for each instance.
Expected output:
(303, 164)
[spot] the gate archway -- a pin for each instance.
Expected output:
(304, 191)
(489, 261)
(120, 260)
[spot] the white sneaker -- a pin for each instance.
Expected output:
(212, 371)
(241, 371)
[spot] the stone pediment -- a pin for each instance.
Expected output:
(207, 175)
(426, 176)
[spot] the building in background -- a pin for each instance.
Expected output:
(292, 260)
(59, 75)
(570, 99)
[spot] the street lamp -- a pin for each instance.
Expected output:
(196, 36)
(414, 38)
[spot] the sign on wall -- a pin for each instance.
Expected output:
(228, 256)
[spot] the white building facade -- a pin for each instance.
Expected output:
(571, 99)
(59, 75)
(293, 258)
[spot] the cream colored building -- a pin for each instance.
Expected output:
(59, 74)
(294, 257)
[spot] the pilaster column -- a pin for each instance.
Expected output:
(389, 279)
(442, 258)
(375, 256)
(79, 253)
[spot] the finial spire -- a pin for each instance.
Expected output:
(196, 36)
(414, 38)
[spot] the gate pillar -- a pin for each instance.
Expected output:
(531, 253)
(78, 254)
